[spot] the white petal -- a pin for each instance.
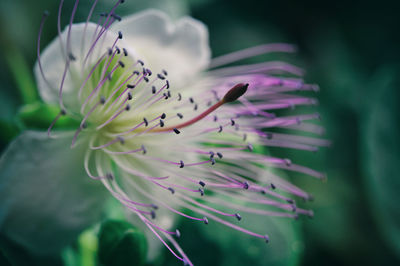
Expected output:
(53, 62)
(46, 198)
(181, 48)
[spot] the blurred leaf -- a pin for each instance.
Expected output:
(8, 131)
(39, 115)
(88, 248)
(13, 254)
(121, 244)
(216, 244)
(3, 260)
(22, 76)
(381, 158)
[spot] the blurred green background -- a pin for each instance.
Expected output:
(349, 48)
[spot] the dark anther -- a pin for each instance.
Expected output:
(263, 191)
(290, 201)
(125, 52)
(250, 147)
(195, 107)
(63, 112)
(211, 154)
(167, 83)
(177, 233)
(172, 190)
(205, 220)
(130, 86)
(144, 149)
(121, 139)
(181, 164)
(160, 76)
(122, 1)
(163, 116)
(121, 64)
(109, 51)
(165, 96)
(117, 18)
(169, 94)
(118, 50)
(140, 62)
(215, 118)
(153, 214)
(179, 96)
(266, 239)
(238, 216)
(149, 73)
(273, 186)
(84, 125)
(109, 76)
(136, 72)
(244, 137)
(153, 89)
(71, 57)
(201, 191)
(127, 107)
(202, 183)
(146, 123)
(110, 176)
(191, 100)
(176, 131)
(245, 185)
(102, 100)
(146, 79)
(119, 34)
(220, 129)
(232, 122)
(164, 72)
(180, 115)
(219, 155)
(130, 96)
(288, 162)
(154, 206)
(161, 123)
(234, 93)
(212, 161)
(104, 14)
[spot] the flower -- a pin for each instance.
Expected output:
(161, 126)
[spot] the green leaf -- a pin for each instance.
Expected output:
(381, 157)
(39, 115)
(22, 76)
(120, 243)
(8, 131)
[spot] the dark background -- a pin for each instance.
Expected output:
(349, 48)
